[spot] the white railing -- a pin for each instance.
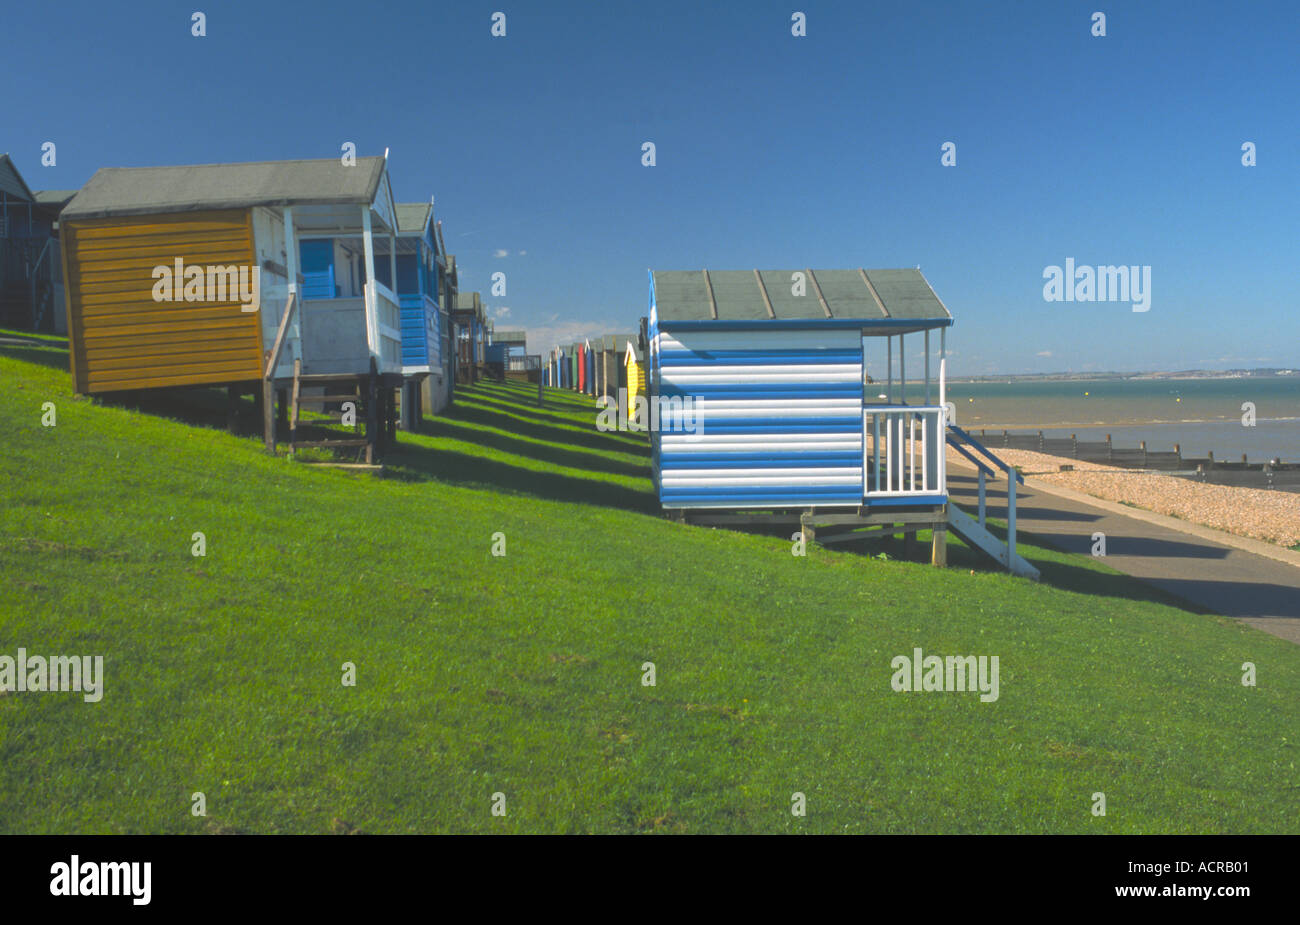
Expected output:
(903, 451)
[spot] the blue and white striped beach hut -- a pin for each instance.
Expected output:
(800, 384)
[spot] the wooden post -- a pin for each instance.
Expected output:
(807, 529)
(1109, 448)
(1011, 515)
(939, 546)
(372, 412)
(232, 409)
(293, 411)
(1075, 438)
(268, 415)
(1144, 454)
(281, 410)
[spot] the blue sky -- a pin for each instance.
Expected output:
(772, 151)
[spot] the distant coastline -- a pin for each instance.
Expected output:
(1270, 373)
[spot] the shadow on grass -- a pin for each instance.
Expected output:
(416, 464)
(192, 406)
(572, 458)
(48, 355)
(525, 407)
(556, 432)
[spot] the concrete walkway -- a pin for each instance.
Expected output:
(1220, 575)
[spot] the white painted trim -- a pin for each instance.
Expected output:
(372, 311)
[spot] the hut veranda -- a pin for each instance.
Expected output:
(785, 396)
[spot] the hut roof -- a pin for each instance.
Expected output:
(144, 190)
(470, 302)
(413, 217)
(884, 297)
(12, 182)
(54, 197)
(617, 342)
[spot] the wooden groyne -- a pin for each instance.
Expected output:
(1273, 473)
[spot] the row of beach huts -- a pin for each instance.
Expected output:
(308, 284)
(304, 282)
(611, 366)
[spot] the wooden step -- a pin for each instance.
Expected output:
(329, 443)
(323, 399)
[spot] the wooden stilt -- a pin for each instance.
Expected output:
(939, 547)
(232, 409)
(281, 412)
(268, 415)
(293, 408)
(372, 413)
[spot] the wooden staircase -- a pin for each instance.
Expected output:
(336, 390)
(974, 530)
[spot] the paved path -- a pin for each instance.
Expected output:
(1213, 575)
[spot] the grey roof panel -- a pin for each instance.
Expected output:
(680, 295)
(737, 295)
(148, 190)
(907, 295)
(846, 294)
(780, 285)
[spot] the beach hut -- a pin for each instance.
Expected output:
(634, 365)
(448, 290)
(470, 318)
(610, 371)
(571, 353)
(774, 362)
(591, 368)
(234, 274)
(31, 266)
(584, 350)
(767, 403)
(510, 349)
(419, 268)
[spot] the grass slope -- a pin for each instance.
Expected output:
(522, 674)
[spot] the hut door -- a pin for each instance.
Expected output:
(316, 259)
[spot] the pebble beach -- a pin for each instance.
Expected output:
(1271, 516)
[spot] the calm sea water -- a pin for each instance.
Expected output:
(1202, 415)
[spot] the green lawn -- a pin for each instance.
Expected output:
(522, 674)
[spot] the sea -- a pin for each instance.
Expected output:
(1200, 415)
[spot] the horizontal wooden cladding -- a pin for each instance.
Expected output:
(104, 360)
(99, 241)
(122, 337)
(140, 263)
(165, 337)
(167, 376)
(130, 303)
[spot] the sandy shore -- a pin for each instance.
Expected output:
(1271, 516)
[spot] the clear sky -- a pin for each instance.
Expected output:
(772, 151)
